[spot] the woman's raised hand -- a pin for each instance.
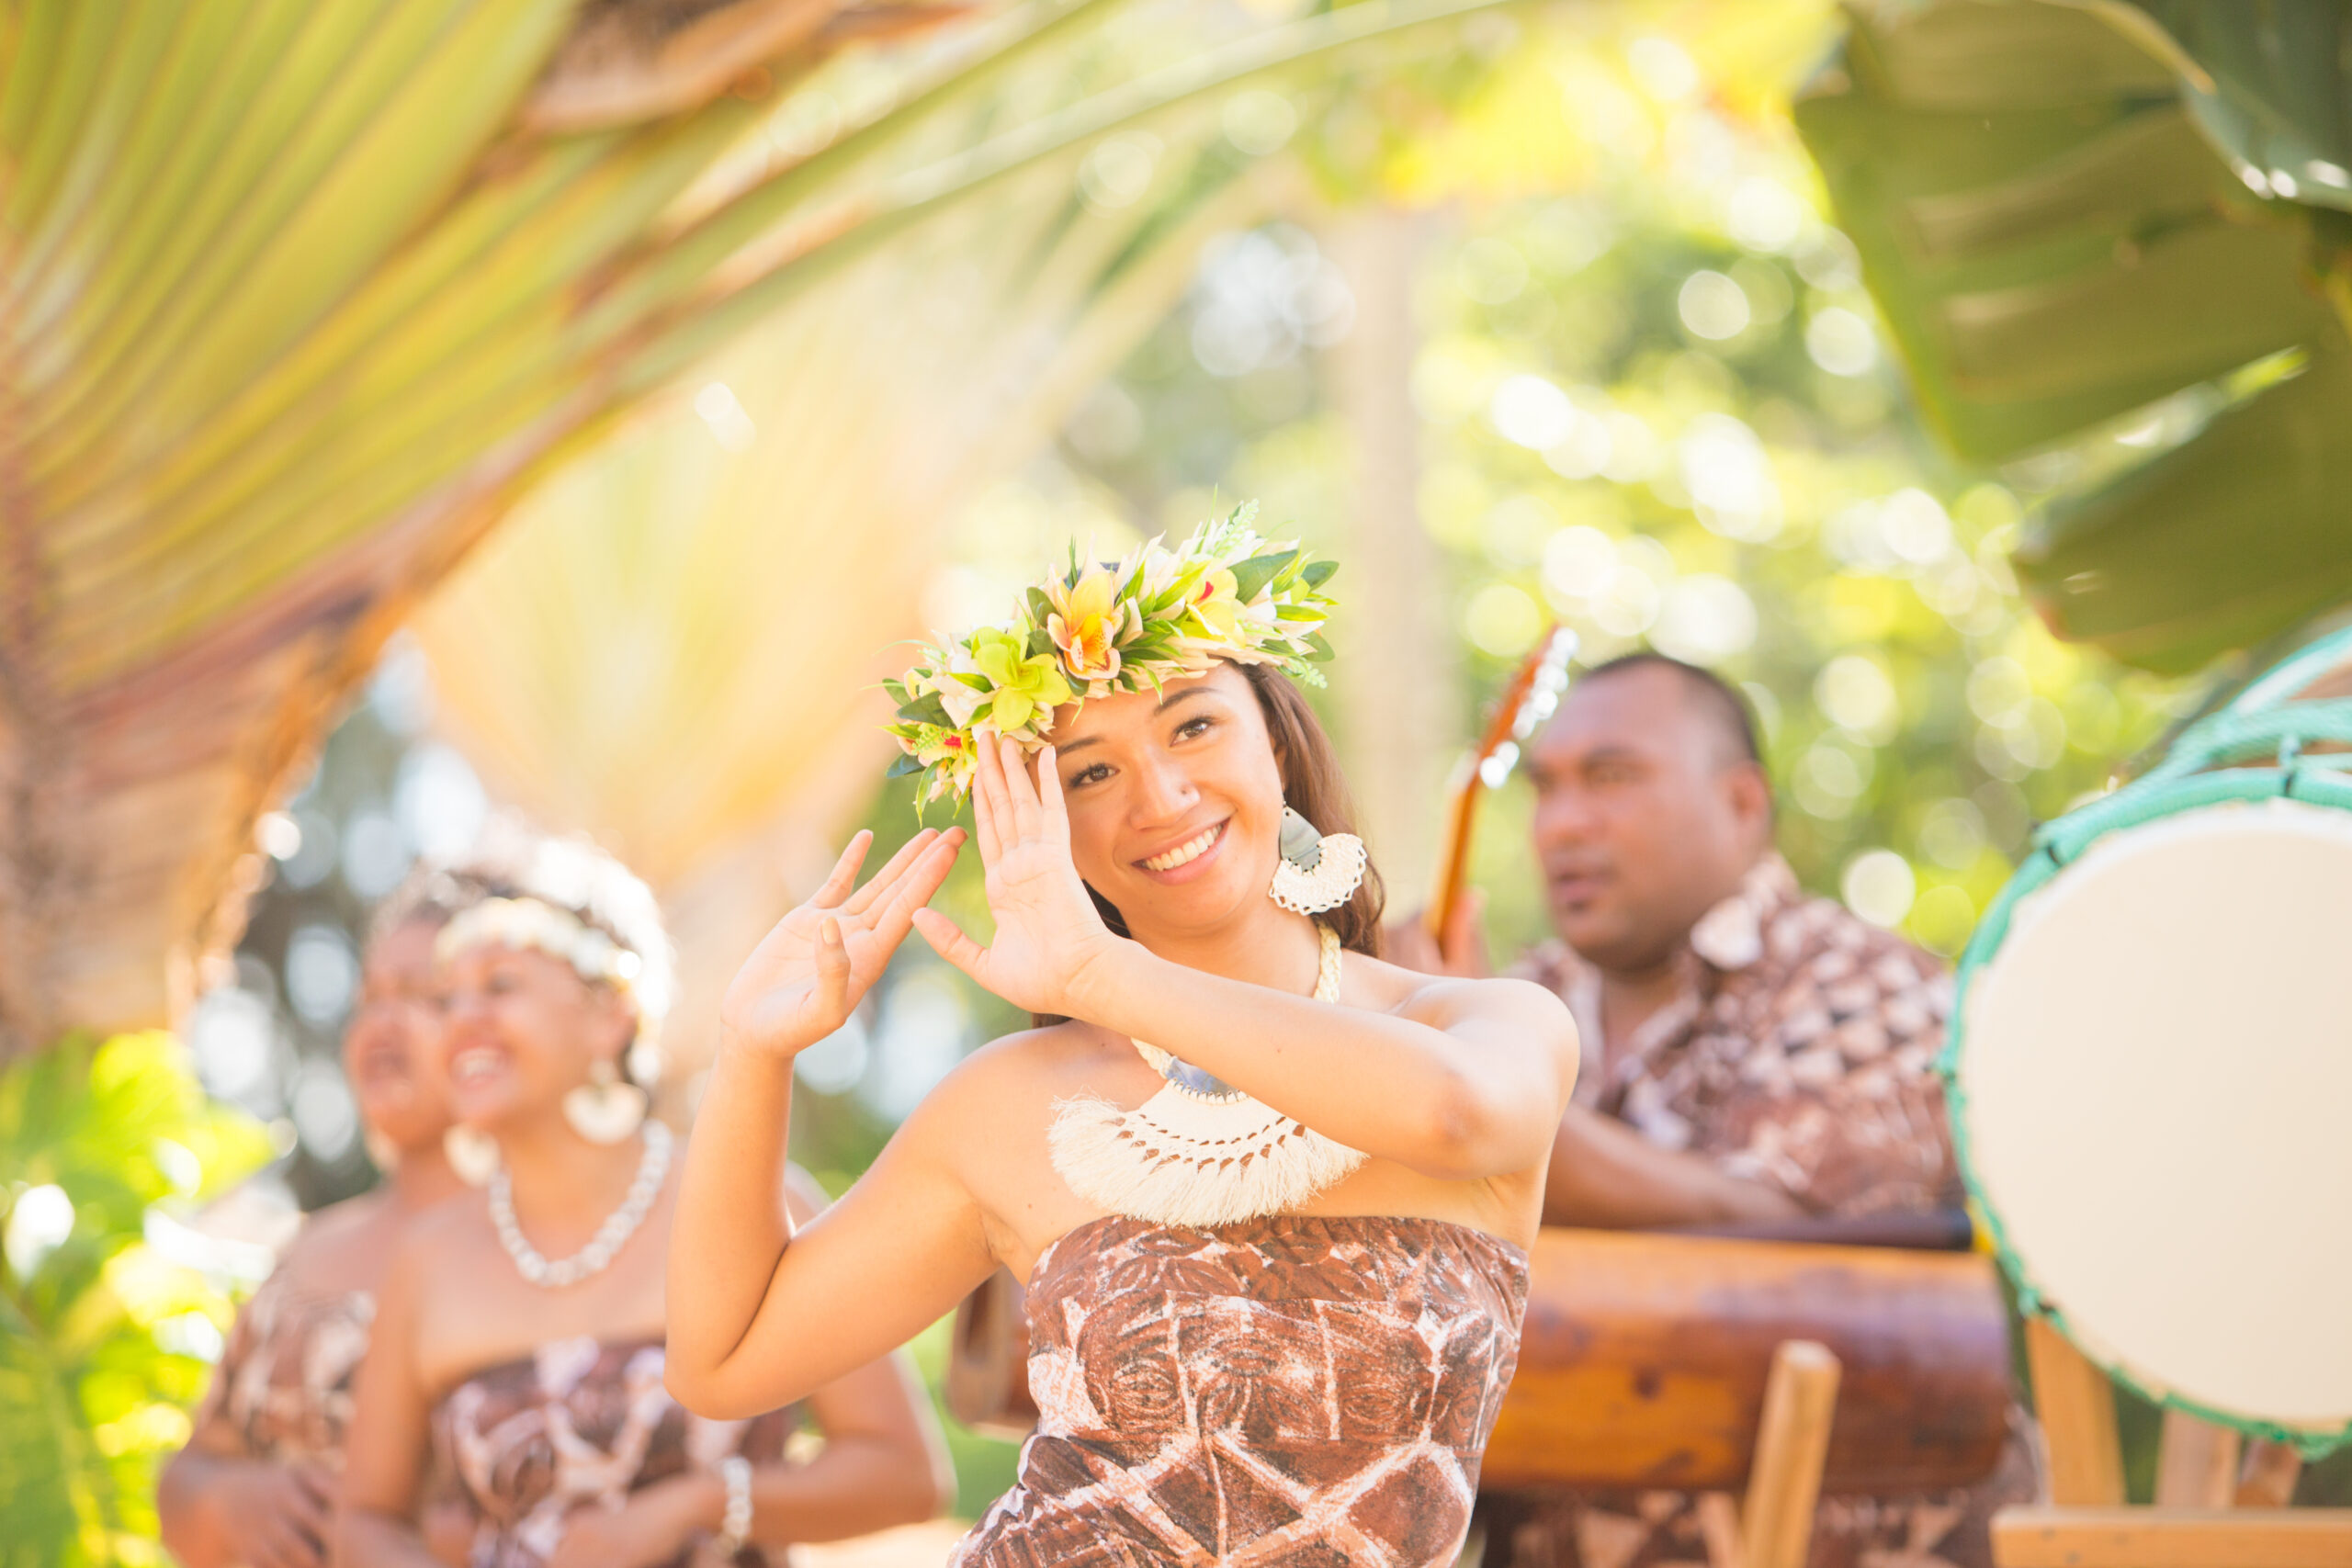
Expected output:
(807, 974)
(1048, 934)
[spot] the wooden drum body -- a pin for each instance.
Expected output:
(1644, 1359)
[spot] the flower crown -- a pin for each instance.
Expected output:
(1096, 630)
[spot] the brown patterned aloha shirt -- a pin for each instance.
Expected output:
(1800, 1053)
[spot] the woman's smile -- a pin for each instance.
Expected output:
(1190, 859)
(477, 1064)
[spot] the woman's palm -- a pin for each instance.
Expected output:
(814, 966)
(1048, 929)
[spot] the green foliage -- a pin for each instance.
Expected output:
(2089, 227)
(99, 1331)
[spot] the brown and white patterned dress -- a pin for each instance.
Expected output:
(283, 1386)
(1300, 1391)
(527, 1444)
(1800, 1052)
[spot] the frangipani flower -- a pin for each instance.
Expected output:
(1021, 683)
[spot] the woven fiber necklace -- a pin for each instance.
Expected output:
(1199, 1151)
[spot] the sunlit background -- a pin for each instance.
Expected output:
(1536, 315)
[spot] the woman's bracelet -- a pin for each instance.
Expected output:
(735, 1523)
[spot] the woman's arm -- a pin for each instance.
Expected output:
(385, 1454)
(762, 1313)
(1467, 1082)
(883, 1462)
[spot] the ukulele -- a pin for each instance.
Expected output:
(1528, 698)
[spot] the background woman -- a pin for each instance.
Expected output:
(256, 1483)
(518, 1345)
(1269, 1194)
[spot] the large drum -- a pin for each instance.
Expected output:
(2150, 1067)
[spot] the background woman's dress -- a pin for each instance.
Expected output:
(525, 1444)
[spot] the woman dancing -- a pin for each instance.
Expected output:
(256, 1483)
(517, 1348)
(1269, 1194)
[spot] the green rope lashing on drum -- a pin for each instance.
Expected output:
(2230, 737)
(2207, 767)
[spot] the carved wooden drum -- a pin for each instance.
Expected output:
(2150, 1070)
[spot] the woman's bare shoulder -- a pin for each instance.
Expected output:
(446, 1230)
(1031, 1056)
(342, 1246)
(1015, 1077)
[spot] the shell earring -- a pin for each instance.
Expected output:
(473, 1154)
(605, 1109)
(1318, 871)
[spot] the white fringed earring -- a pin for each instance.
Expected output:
(1318, 871)
(605, 1109)
(473, 1154)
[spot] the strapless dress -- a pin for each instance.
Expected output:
(284, 1381)
(1303, 1391)
(579, 1424)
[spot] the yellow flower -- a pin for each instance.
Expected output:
(1021, 685)
(1216, 601)
(1087, 625)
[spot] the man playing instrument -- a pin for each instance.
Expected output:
(1757, 1058)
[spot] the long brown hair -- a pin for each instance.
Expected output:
(1314, 787)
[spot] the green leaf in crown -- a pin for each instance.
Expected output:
(1091, 630)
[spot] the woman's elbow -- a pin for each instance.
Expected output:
(705, 1393)
(1465, 1136)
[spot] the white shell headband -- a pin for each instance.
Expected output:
(533, 924)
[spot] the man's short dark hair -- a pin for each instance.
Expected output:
(1724, 705)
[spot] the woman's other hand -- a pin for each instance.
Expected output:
(1049, 937)
(812, 970)
(653, 1526)
(275, 1516)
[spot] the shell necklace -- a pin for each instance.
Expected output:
(1199, 1151)
(607, 1244)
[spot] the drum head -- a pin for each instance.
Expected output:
(2153, 1098)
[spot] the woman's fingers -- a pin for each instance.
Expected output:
(1020, 792)
(832, 970)
(990, 776)
(947, 939)
(880, 883)
(888, 921)
(923, 879)
(984, 817)
(1052, 810)
(844, 877)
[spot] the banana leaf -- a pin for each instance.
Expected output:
(2070, 213)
